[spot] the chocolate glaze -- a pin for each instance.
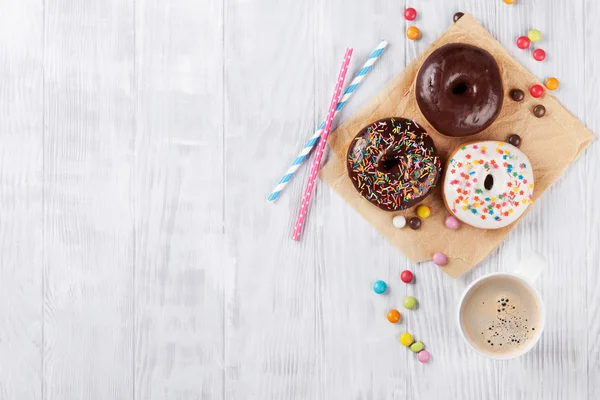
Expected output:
(393, 163)
(459, 89)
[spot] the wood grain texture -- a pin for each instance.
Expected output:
(272, 332)
(21, 149)
(179, 201)
(361, 355)
(88, 221)
(139, 258)
(591, 173)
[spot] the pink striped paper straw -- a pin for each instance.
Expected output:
(310, 185)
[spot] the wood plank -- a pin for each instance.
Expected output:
(590, 175)
(273, 340)
(361, 357)
(21, 180)
(179, 200)
(551, 370)
(88, 221)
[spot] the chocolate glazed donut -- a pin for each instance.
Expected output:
(459, 89)
(393, 163)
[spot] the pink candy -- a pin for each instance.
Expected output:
(423, 356)
(439, 259)
(452, 223)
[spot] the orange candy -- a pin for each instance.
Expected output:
(393, 316)
(413, 33)
(510, 1)
(552, 83)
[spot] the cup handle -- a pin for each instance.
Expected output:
(531, 266)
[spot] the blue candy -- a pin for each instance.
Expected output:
(380, 287)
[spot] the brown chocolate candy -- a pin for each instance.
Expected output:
(414, 223)
(457, 16)
(517, 94)
(539, 111)
(515, 140)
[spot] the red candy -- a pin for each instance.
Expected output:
(523, 42)
(406, 276)
(539, 55)
(536, 91)
(410, 14)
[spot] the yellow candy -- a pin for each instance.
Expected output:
(406, 339)
(423, 212)
(552, 83)
(509, 1)
(534, 35)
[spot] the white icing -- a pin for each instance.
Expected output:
(508, 198)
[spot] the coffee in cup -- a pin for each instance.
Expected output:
(501, 315)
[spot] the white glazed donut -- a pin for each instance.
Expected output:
(488, 184)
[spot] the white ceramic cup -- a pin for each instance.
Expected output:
(527, 272)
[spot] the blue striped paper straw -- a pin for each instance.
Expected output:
(317, 135)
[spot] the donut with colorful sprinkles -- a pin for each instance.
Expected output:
(488, 184)
(393, 163)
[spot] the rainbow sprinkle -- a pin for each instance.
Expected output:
(502, 202)
(393, 163)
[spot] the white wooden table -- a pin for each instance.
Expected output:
(139, 258)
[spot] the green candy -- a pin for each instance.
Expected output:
(417, 346)
(410, 302)
(534, 35)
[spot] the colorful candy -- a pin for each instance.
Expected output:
(517, 94)
(413, 33)
(510, 1)
(452, 222)
(417, 346)
(534, 35)
(406, 276)
(539, 55)
(414, 223)
(410, 14)
(393, 316)
(424, 355)
(515, 140)
(536, 91)
(379, 287)
(440, 259)
(410, 302)
(539, 111)
(423, 212)
(406, 339)
(399, 221)
(552, 83)
(523, 42)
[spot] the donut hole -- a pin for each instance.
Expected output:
(461, 88)
(389, 163)
(488, 183)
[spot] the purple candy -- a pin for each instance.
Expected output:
(423, 356)
(439, 259)
(452, 223)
